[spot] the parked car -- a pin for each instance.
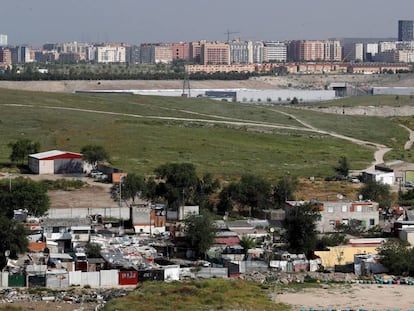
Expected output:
(409, 184)
(95, 173)
(354, 180)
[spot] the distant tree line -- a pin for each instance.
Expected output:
(33, 75)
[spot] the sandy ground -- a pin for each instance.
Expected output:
(266, 82)
(353, 297)
(94, 195)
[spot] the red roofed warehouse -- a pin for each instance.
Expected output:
(56, 162)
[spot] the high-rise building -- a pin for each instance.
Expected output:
(110, 54)
(21, 55)
(133, 54)
(241, 52)
(5, 56)
(405, 30)
(3, 40)
(370, 50)
(153, 53)
(275, 51)
(181, 51)
(258, 52)
(215, 53)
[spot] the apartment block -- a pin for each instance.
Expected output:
(5, 56)
(241, 52)
(370, 50)
(215, 53)
(275, 51)
(153, 53)
(110, 54)
(195, 51)
(353, 52)
(315, 50)
(363, 213)
(220, 68)
(3, 40)
(181, 51)
(405, 30)
(21, 55)
(385, 46)
(163, 54)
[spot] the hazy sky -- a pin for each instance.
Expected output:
(135, 21)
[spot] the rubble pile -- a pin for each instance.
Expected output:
(286, 278)
(96, 297)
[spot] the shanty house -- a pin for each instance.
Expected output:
(56, 162)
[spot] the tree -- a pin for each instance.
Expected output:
(252, 193)
(133, 187)
(25, 194)
(397, 257)
(179, 183)
(343, 166)
(13, 239)
(300, 225)
(200, 232)
(94, 154)
(284, 189)
(247, 243)
(206, 186)
(93, 250)
(377, 192)
(22, 148)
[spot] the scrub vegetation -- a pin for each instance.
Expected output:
(224, 139)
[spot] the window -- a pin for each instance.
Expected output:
(359, 208)
(372, 222)
(330, 210)
(344, 208)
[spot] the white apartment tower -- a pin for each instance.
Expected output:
(110, 54)
(275, 51)
(241, 52)
(3, 40)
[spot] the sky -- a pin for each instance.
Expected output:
(36, 22)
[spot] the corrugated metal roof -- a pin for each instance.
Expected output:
(52, 154)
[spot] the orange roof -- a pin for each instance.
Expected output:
(36, 247)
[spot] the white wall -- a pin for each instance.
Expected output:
(46, 167)
(171, 273)
(109, 277)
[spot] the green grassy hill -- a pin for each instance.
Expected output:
(226, 139)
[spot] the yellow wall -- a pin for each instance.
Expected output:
(333, 256)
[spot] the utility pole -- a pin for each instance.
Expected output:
(120, 205)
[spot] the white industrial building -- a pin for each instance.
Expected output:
(255, 96)
(56, 162)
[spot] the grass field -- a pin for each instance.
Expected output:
(226, 139)
(214, 294)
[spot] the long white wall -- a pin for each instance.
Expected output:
(242, 95)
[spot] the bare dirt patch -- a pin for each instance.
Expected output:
(351, 297)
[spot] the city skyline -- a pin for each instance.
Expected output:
(43, 21)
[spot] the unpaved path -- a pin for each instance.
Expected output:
(378, 155)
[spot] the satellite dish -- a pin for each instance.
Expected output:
(272, 229)
(360, 197)
(339, 196)
(7, 253)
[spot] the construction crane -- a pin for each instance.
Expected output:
(228, 33)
